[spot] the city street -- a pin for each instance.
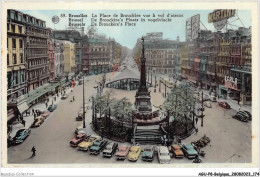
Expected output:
(230, 138)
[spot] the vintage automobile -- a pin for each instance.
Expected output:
(176, 151)
(21, 135)
(122, 152)
(38, 121)
(110, 149)
(84, 145)
(207, 104)
(45, 114)
(148, 153)
(248, 114)
(224, 104)
(163, 155)
(97, 147)
(134, 153)
(189, 151)
(242, 116)
(77, 139)
(64, 96)
(80, 115)
(52, 107)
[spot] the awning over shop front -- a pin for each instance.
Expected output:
(23, 107)
(10, 114)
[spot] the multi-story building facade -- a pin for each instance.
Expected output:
(59, 57)
(75, 37)
(36, 52)
(69, 57)
(97, 56)
(51, 58)
(161, 56)
(222, 63)
(16, 66)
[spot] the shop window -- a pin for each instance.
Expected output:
(8, 60)
(14, 43)
(19, 17)
(20, 29)
(21, 43)
(21, 58)
(13, 28)
(14, 59)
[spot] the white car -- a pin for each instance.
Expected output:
(163, 154)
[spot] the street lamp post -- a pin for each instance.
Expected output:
(151, 79)
(202, 109)
(84, 124)
(159, 85)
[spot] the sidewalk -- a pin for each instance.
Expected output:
(232, 103)
(40, 106)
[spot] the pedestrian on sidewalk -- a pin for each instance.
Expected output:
(33, 151)
(197, 131)
(239, 108)
(34, 115)
(33, 111)
(23, 122)
(46, 104)
(73, 98)
(196, 120)
(52, 102)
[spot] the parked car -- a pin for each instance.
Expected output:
(38, 121)
(134, 153)
(122, 152)
(97, 147)
(77, 139)
(110, 149)
(242, 116)
(163, 154)
(84, 145)
(64, 96)
(80, 115)
(224, 104)
(148, 153)
(21, 135)
(176, 151)
(52, 107)
(189, 151)
(213, 98)
(45, 114)
(207, 104)
(249, 115)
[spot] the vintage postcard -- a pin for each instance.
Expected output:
(130, 84)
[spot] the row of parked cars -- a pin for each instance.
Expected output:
(22, 134)
(95, 145)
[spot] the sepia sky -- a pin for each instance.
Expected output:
(127, 35)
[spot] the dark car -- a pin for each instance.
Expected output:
(189, 151)
(248, 114)
(242, 116)
(21, 135)
(52, 107)
(224, 104)
(97, 147)
(110, 149)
